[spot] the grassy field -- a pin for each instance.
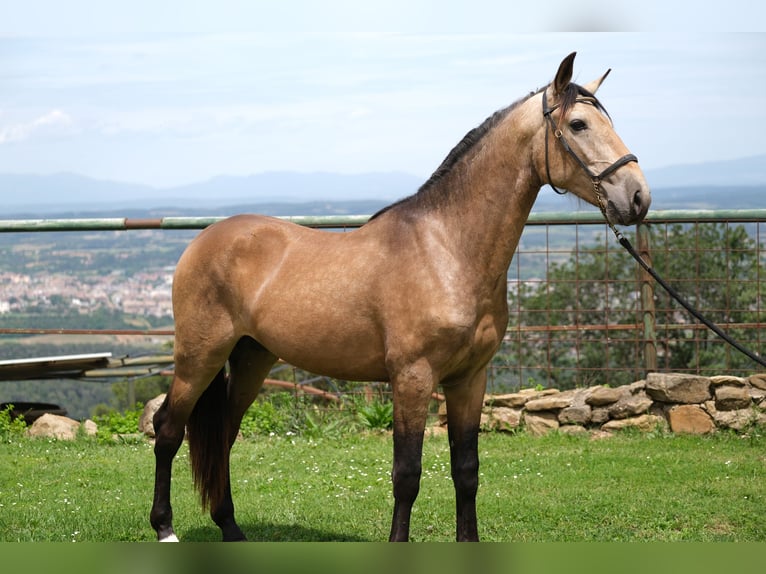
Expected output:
(558, 488)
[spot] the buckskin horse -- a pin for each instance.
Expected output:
(415, 297)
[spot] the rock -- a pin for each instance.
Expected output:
(685, 403)
(540, 423)
(659, 409)
(599, 415)
(643, 423)
(575, 415)
(604, 396)
(516, 400)
(501, 418)
(637, 387)
(54, 426)
(709, 407)
(757, 395)
(536, 394)
(678, 388)
(690, 419)
(573, 430)
(90, 428)
(630, 406)
(728, 380)
(730, 398)
(512, 400)
(145, 423)
(735, 420)
(441, 414)
(758, 381)
(550, 403)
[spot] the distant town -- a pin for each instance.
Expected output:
(146, 293)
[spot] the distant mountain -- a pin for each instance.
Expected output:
(71, 192)
(709, 197)
(735, 172)
(731, 184)
(62, 190)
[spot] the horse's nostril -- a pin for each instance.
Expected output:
(638, 201)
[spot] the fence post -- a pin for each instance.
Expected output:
(647, 299)
(131, 394)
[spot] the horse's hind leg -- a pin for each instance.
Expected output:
(249, 364)
(198, 366)
(169, 425)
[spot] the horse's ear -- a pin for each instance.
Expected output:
(594, 85)
(564, 75)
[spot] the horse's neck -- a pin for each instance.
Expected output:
(493, 188)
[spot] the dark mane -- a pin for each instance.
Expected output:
(472, 138)
(466, 144)
(469, 141)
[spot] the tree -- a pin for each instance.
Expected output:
(717, 269)
(582, 325)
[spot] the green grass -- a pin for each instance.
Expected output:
(630, 487)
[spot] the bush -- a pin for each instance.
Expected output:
(283, 413)
(266, 417)
(116, 423)
(10, 427)
(377, 415)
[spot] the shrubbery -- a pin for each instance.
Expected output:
(10, 426)
(278, 413)
(118, 423)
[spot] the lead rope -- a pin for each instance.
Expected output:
(671, 291)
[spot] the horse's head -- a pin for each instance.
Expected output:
(583, 154)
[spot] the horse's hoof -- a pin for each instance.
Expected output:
(171, 538)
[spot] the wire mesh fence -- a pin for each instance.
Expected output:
(581, 311)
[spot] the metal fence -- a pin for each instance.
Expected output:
(582, 312)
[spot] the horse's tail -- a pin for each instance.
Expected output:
(208, 434)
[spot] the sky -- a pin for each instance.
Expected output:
(177, 92)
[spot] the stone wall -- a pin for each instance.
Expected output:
(682, 403)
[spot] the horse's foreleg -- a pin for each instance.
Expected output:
(464, 404)
(412, 391)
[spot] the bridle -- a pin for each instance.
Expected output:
(596, 179)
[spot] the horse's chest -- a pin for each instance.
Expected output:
(470, 341)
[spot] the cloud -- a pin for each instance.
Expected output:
(52, 123)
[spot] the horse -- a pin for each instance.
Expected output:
(416, 297)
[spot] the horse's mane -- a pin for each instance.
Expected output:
(431, 190)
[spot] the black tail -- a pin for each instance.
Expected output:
(208, 432)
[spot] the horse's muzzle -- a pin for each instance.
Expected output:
(630, 207)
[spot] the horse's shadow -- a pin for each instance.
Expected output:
(271, 532)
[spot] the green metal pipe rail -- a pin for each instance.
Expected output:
(342, 221)
(353, 221)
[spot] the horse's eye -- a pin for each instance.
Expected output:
(578, 125)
